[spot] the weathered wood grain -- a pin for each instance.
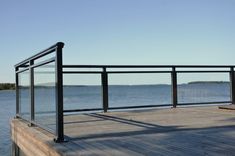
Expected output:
(180, 131)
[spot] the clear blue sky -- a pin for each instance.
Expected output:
(118, 31)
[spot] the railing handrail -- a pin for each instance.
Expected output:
(41, 54)
(148, 66)
(152, 69)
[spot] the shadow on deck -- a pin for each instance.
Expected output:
(181, 131)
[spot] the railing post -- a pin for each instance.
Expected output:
(31, 73)
(59, 93)
(17, 91)
(104, 78)
(174, 87)
(232, 84)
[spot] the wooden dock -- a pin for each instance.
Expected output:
(177, 131)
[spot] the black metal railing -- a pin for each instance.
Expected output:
(25, 108)
(26, 89)
(105, 70)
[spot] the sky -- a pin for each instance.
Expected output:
(147, 32)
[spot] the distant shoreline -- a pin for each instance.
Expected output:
(188, 83)
(11, 86)
(7, 86)
(210, 82)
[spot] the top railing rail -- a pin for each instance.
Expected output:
(40, 54)
(118, 69)
(147, 66)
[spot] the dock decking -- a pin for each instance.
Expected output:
(177, 131)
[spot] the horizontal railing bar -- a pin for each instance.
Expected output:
(24, 66)
(142, 106)
(82, 72)
(82, 110)
(34, 58)
(135, 72)
(44, 72)
(114, 66)
(147, 66)
(41, 54)
(112, 72)
(113, 108)
(204, 71)
(126, 72)
(83, 66)
(22, 70)
(36, 65)
(43, 62)
(199, 103)
(198, 71)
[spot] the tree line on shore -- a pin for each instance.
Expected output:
(7, 86)
(11, 86)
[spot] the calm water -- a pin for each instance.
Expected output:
(90, 97)
(7, 111)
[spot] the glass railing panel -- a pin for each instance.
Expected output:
(24, 95)
(82, 91)
(203, 87)
(45, 94)
(139, 89)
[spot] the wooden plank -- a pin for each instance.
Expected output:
(180, 131)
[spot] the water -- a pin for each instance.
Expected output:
(133, 95)
(7, 111)
(80, 97)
